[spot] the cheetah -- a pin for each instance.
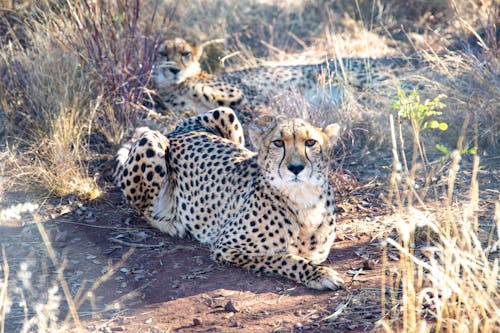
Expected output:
(183, 86)
(270, 211)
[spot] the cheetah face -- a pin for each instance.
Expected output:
(177, 61)
(294, 155)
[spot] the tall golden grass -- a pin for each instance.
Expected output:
(447, 276)
(75, 69)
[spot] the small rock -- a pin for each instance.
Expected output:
(196, 322)
(139, 277)
(61, 236)
(369, 264)
(229, 315)
(141, 235)
(148, 321)
(229, 307)
(368, 316)
(298, 326)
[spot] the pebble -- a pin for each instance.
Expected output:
(369, 264)
(229, 307)
(298, 326)
(229, 315)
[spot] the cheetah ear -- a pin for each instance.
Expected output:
(260, 128)
(202, 46)
(332, 132)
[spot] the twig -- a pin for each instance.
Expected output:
(126, 228)
(224, 58)
(338, 311)
(112, 269)
(3, 295)
(146, 246)
(60, 276)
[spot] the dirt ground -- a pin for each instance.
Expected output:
(171, 285)
(123, 276)
(163, 284)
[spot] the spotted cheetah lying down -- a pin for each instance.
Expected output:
(272, 211)
(183, 86)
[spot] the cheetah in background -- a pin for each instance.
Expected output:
(182, 85)
(272, 211)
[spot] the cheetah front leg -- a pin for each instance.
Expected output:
(291, 266)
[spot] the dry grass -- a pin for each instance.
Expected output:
(51, 120)
(85, 71)
(77, 71)
(447, 277)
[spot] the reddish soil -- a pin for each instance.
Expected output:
(171, 285)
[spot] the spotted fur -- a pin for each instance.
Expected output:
(183, 86)
(271, 211)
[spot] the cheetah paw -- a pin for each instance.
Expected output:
(325, 278)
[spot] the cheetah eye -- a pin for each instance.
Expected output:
(186, 54)
(310, 143)
(279, 143)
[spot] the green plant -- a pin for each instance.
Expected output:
(411, 107)
(421, 115)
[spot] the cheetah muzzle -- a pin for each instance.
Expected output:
(272, 211)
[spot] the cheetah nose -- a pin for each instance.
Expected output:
(174, 70)
(295, 168)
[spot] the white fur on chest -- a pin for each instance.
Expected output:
(312, 217)
(306, 200)
(309, 203)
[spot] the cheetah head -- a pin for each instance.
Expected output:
(177, 61)
(294, 155)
